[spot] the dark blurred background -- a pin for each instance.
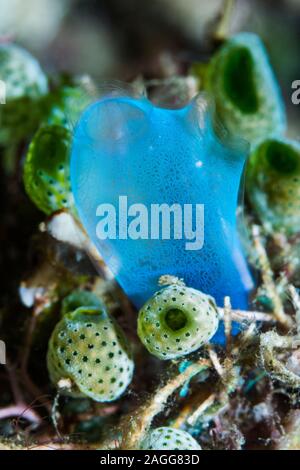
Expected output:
(126, 38)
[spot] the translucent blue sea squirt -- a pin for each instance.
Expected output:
(157, 191)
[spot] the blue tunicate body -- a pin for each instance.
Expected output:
(128, 147)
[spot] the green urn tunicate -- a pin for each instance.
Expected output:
(176, 321)
(47, 169)
(273, 184)
(246, 93)
(23, 85)
(90, 350)
(165, 438)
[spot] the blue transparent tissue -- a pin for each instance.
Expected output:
(125, 146)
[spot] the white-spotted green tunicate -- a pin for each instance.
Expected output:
(166, 438)
(246, 92)
(47, 169)
(90, 349)
(24, 84)
(176, 321)
(273, 184)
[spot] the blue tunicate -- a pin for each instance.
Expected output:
(128, 152)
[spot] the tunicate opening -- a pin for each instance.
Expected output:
(281, 157)
(239, 80)
(175, 319)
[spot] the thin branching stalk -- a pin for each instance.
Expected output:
(241, 316)
(141, 422)
(215, 361)
(267, 276)
(227, 322)
(223, 28)
(192, 420)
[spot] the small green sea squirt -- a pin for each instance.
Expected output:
(247, 95)
(47, 169)
(273, 184)
(166, 438)
(176, 321)
(90, 349)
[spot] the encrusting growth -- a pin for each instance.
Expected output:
(270, 343)
(138, 425)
